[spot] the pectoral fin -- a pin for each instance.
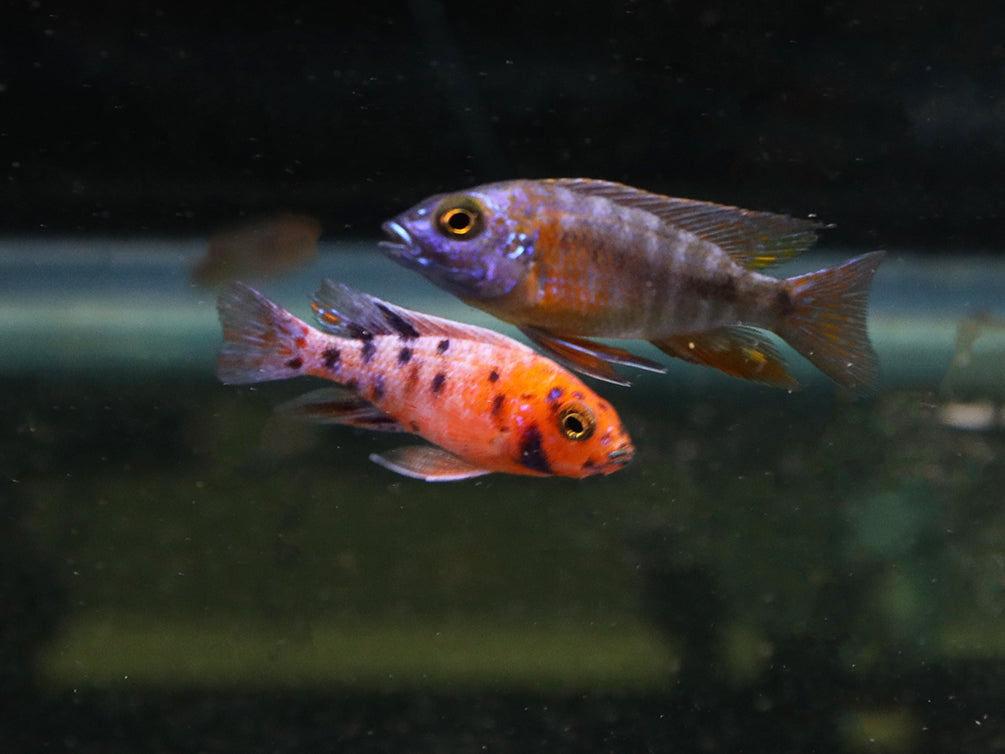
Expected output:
(588, 357)
(338, 405)
(738, 351)
(428, 463)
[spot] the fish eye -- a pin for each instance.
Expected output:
(577, 421)
(460, 218)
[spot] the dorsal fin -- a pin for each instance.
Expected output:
(348, 313)
(754, 239)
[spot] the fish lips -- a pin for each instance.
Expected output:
(621, 456)
(403, 247)
(399, 241)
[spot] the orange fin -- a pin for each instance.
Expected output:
(738, 351)
(428, 463)
(589, 357)
(753, 239)
(338, 405)
(827, 324)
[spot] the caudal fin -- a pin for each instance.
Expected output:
(261, 341)
(828, 321)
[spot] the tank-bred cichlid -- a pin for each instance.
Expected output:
(485, 401)
(570, 259)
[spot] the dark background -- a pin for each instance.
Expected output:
(887, 119)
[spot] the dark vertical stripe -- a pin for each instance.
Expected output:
(785, 304)
(532, 455)
(368, 350)
(378, 387)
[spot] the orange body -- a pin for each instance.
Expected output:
(480, 396)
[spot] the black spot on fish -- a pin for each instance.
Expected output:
(414, 425)
(295, 363)
(497, 404)
(368, 350)
(331, 357)
(404, 355)
(588, 464)
(493, 376)
(532, 455)
(785, 305)
(437, 384)
(442, 346)
(554, 394)
(378, 387)
(398, 323)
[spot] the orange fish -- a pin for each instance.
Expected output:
(485, 401)
(570, 259)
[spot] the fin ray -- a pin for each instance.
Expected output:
(428, 463)
(346, 312)
(338, 405)
(258, 336)
(589, 357)
(737, 350)
(754, 239)
(828, 324)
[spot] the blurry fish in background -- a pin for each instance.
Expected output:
(486, 402)
(968, 330)
(261, 249)
(570, 259)
(977, 413)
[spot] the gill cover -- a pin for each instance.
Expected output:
(468, 243)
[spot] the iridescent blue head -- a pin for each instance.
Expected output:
(475, 244)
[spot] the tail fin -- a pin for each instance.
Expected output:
(828, 321)
(261, 341)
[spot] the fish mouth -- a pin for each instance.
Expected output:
(398, 240)
(621, 456)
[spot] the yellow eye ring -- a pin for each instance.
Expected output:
(460, 217)
(577, 422)
(458, 221)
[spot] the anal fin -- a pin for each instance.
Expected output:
(428, 463)
(738, 351)
(589, 357)
(338, 405)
